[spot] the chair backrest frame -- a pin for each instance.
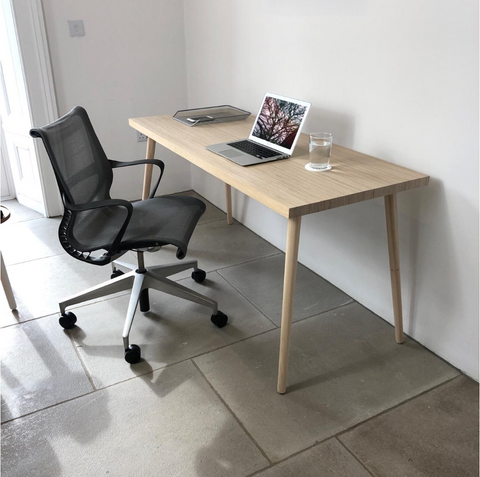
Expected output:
(82, 170)
(81, 167)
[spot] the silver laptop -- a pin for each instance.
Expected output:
(274, 134)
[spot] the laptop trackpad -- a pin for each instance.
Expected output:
(231, 153)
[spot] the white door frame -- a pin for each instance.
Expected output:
(37, 69)
(7, 178)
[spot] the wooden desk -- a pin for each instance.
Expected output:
(286, 187)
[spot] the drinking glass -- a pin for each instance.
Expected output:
(320, 148)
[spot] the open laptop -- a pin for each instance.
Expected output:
(274, 134)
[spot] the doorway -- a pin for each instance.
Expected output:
(24, 65)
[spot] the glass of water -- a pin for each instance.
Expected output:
(320, 151)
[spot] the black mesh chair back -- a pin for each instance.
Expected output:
(84, 176)
(81, 167)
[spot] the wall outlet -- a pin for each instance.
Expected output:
(141, 137)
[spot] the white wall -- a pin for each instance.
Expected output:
(130, 63)
(394, 79)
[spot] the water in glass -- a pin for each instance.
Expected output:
(320, 151)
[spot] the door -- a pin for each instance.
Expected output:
(19, 146)
(29, 100)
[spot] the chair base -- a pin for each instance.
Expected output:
(139, 280)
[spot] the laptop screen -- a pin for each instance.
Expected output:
(279, 121)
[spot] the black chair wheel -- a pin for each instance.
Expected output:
(132, 354)
(67, 320)
(220, 319)
(116, 273)
(199, 275)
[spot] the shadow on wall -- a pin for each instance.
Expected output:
(434, 265)
(435, 299)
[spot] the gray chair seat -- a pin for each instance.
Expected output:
(154, 222)
(164, 220)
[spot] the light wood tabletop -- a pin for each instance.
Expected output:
(286, 187)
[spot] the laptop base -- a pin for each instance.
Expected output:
(239, 157)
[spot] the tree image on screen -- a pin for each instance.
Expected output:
(279, 121)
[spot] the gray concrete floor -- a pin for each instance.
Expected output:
(202, 402)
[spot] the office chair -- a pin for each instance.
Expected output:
(94, 222)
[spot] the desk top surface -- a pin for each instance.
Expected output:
(285, 185)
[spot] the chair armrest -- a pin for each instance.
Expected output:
(105, 203)
(157, 162)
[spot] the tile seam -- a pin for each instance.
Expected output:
(73, 307)
(291, 456)
(338, 435)
(47, 407)
(249, 301)
(350, 302)
(246, 261)
(84, 366)
(33, 259)
(355, 457)
(257, 445)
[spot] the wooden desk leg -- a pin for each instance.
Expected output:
(393, 254)
(6, 285)
(291, 257)
(147, 178)
(228, 196)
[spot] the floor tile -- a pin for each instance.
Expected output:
(19, 212)
(39, 367)
(30, 240)
(172, 331)
(434, 435)
(169, 424)
(261, 281)
(212, 213)
(329, 459)
(39, 285)
(344, 367)
(216, 245)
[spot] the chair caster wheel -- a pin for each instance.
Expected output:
(199, 275)
(132, 354)
(116, 273)
(67, 320)
(220, 319)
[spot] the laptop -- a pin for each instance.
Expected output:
(274, 134)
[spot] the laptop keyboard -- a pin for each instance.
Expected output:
(254, 149)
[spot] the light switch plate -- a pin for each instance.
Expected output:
(76, 27)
